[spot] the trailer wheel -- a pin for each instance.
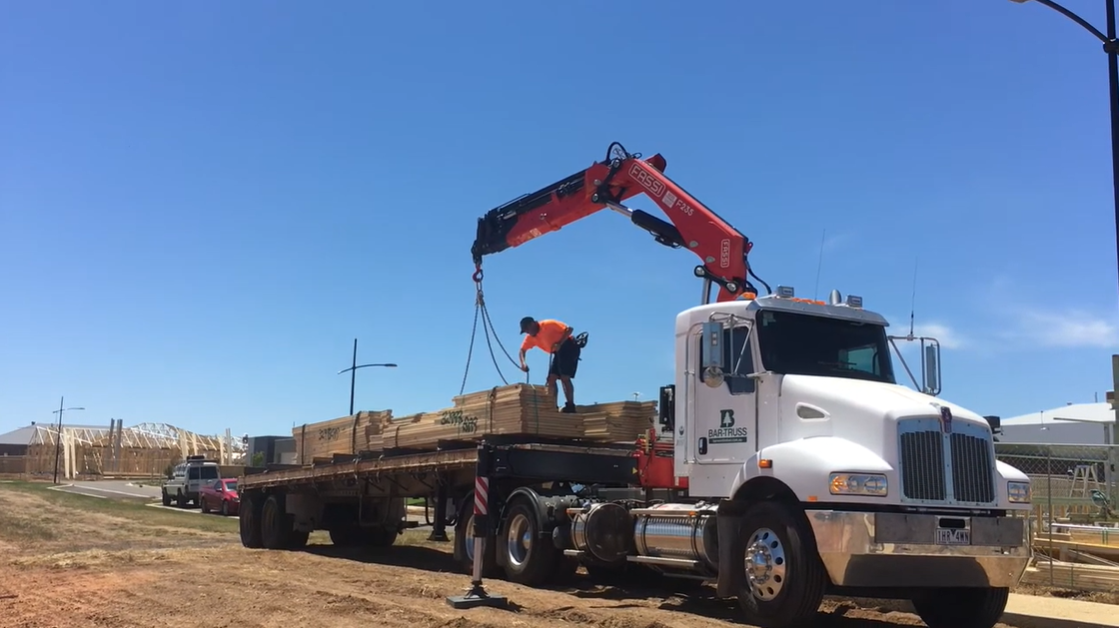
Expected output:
(529, 560)
(249, 522)
(961, 607)
(379, 536)
(345, 536)
(464, 546)
(275, 525)
(784, 579)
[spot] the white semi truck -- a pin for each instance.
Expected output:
(788, 463)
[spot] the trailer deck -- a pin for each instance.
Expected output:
(509, 456)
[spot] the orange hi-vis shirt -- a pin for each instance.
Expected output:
(550, 333)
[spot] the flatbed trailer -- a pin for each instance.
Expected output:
(360, 500)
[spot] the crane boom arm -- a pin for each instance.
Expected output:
(723, 249)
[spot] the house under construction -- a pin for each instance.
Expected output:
(144, 450)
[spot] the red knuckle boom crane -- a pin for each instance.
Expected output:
(723, 250)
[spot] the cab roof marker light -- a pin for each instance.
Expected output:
(785, 291)
(854, 301)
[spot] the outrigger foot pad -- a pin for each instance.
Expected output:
(477, 597)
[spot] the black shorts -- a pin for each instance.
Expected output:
(565, 361)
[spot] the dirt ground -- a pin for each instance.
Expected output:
(73, 561)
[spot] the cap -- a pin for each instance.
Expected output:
(526, 324)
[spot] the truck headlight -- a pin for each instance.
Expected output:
(1018, 492)
(857, 484)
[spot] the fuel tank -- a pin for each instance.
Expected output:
(605, 531)
(685, 531)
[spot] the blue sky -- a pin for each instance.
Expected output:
(202, 206)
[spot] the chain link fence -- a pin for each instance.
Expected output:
(1074, 521)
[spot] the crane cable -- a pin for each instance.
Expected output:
(487, 329)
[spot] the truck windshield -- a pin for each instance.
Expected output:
(802, 344)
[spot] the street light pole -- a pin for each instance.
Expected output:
(58, 437)
(353, 373)
(353, 378)
(1111, 48)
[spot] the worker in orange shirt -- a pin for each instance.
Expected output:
(553, 337)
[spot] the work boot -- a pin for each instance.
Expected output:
(568, 408)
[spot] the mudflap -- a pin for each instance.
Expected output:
(728, 524)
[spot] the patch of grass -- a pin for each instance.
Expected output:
(17, 526)
(128, 509)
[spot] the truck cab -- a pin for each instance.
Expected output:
(788, 416)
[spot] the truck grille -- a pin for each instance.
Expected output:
(922, 466)
(956, 468)
(972, 470)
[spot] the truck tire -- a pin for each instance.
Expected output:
(249, 522)
(784, 579)
(379, 536)
(961, 607)
(346, 536)
(529, 559)
(180, 500)
(464, 546)
(275, 525)
(166, 498)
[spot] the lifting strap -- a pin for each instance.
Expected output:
(487, 329)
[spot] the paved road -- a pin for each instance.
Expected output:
(131, 491)
(112, 489)
(413, 515)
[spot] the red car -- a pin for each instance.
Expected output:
(220, 496)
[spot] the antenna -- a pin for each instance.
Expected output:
(819, 265)
(913, 299)
(929, 352)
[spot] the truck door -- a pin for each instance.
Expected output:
(724, 416)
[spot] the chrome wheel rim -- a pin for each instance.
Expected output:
(765, 564)
(468, 543)
(519, 540)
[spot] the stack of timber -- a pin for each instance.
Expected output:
(345, 435)
(1074, 576)
(513, 409)
(620, 421)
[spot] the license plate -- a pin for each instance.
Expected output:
(953, 536)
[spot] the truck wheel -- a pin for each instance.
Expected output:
(166, 498)
(345, 536)
(180, 500)
(464, 547)
(250, 522)
(275, 525)
(961, 607)
(784, 578)
(379, 536)
(529, 560)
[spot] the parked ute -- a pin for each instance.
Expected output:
(220, 496)
(187, 480)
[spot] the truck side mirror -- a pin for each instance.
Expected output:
(713, 367)
(932, 369)
(995, 423)
(667, 408)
